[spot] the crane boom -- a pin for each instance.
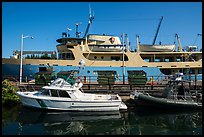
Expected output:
(90, 21)
(157, 31)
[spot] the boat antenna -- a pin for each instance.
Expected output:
(90, 21)
(155, 37)
(77, 27)
(68, 29)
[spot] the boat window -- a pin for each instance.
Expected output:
(54, 93)
(63, 93)
(70, 47)
(146, 59)
(178, 59)
(199, 71)
(166, 60)
(68, 55)
(60, 55)
(192, 71)
(125, 58)
(157, 60)
(95, 57)
(45, 92)
(63, 56)
(115, 58)
(102, 57)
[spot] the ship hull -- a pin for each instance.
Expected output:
(13, 70)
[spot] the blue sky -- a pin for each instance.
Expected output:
(46, 21)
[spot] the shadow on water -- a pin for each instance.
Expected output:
(26, 121)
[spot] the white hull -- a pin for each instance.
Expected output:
(54, 103)
(157, 48)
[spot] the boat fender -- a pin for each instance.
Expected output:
(78, 79)
(146, 94)
(78, 85)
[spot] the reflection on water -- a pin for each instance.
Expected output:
(160, 122)
(25, 121)
(67, 122)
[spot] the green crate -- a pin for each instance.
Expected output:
(137, 77)
(44, 77)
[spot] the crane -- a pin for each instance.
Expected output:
(155, 37)
(90, 21)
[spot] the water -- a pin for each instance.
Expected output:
(19, 120)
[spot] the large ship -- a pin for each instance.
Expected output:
(102, 52)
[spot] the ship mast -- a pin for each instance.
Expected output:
(77, 32)
(90, 21)
(155, 37)
(137, 43)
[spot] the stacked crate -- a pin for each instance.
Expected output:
(106, 77)
(44, 76)
(137, 77)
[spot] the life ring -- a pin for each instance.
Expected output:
(112, 40)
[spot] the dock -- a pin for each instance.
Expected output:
(122, 90)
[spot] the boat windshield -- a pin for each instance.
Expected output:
(71, 81)
(54, 93)
(60, 82)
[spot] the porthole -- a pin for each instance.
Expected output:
(102, 57)
(95, 57)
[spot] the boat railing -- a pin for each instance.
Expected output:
(23, 88)
(194, 97)
(114, 97)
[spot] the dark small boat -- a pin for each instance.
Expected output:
(172, 100)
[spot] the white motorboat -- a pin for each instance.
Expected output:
(61, 95)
